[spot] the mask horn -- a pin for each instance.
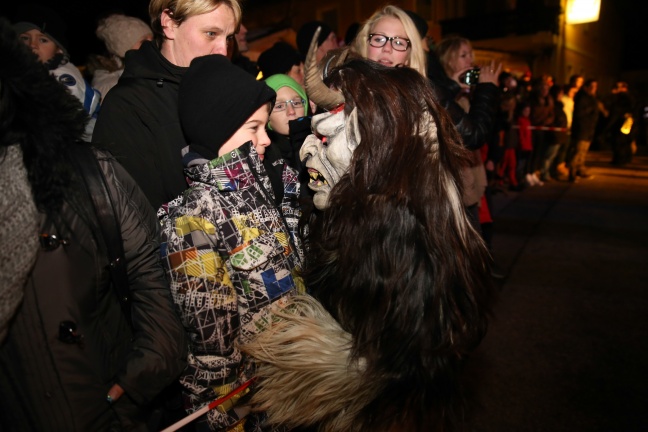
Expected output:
(317, 91)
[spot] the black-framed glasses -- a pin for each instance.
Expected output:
(282, 105)
(379, 40)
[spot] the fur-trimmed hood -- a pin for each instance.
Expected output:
(33, 105)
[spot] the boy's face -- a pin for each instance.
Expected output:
(279, 119)
(252, 130)
(41, 45)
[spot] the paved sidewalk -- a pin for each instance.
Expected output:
(568, 347)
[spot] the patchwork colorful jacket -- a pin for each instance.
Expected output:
(229, 252)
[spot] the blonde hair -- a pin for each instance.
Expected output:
(448, 50)
(417, 57)
(183, 9)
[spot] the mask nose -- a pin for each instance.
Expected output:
(309, 148)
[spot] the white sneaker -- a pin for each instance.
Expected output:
(538, 182)
(530, 180)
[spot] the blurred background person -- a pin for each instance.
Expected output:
(508, 140)
(119, 33)
(586, 115)
(281, 58)
(525, 140)
(542, 115)
(239, 49)
(43, 30)
(555, 140)
(326, 41)
(456, 57)
(621, 124)
(561, 170)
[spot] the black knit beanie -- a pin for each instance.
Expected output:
(214, 101)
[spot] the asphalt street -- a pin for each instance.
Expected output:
(567, 349)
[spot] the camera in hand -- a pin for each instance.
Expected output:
(471, 77)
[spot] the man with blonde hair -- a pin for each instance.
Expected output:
(139, 118)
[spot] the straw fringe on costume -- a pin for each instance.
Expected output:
(306, 368)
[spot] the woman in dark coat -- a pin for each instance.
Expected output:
(74, 360)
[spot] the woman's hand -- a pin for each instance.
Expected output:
(490, 72)
(455, 76)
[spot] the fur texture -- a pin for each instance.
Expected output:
(395, 263)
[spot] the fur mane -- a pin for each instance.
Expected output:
(395, 263)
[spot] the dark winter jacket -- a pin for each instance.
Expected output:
(139, 124)
(70, 340)
(48, 383)
(586, 113)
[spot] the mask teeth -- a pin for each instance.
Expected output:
(316, 177)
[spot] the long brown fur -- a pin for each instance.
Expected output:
(395, 263)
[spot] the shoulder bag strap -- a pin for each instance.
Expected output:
(108, 224)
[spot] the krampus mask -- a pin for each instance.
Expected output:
(398, 277)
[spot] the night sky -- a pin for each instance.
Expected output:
(82, 17)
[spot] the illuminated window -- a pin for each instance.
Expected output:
(583, 11)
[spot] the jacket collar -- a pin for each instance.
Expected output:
(233, 171)
(148, 62)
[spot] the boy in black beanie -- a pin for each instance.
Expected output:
(229, 250)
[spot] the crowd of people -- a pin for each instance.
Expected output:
(267, 183)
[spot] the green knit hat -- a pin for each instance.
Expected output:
(275, 82)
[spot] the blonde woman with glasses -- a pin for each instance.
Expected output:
(389, 37)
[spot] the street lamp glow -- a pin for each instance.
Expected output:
(583, 11)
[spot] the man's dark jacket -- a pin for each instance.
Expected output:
(586, 113)
(139, 124)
